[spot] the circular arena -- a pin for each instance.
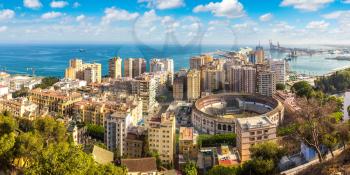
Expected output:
(217, 113)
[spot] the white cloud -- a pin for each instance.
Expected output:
(283, 27)
(337, 14)
(318, 25)
(76, 4)
(80, 18)
(6, 14)
(266, 17)
(32, 4)
(58, 4)
(346, 1)
(163, 4)
(114, 14)
(225, 8)
(306, 5)
(3, 28)
(51, 15)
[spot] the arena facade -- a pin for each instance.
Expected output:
(217, 113)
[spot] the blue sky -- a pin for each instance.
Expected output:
(175, 21)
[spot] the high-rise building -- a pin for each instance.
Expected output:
(117, 125)
(259, 54)
(163, 65)
(90, 72)
(134, 67)
(179, 87)
(196, 62)
(279, 67)
(146, 88)
(161, 137)
(193, 85)
(242, 79)
(212, 79)
(266, 83)
(253, 130)
(115, 67)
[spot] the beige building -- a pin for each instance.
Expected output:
(266, 83)
(193, 85)
(115, 67)
(95, 111)
(196, 62)
(134, 67)
(19, 107)
(161, 136)
(259, 54)
(55, 101)
(134, 145)
(188, 142)
(90, 72)
(253, 130)
(212, 79)
(242, 79)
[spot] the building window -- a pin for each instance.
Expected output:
(259, 132)
(224, 127)
(252, 133)
(259, 138)
(229, 128)
(251, 139)
(219, 126)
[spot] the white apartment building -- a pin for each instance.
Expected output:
(279, 67)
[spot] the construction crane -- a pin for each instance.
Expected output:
(31, 69)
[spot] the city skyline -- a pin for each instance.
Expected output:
(156, 21)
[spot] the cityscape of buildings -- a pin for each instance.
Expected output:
(163, 112)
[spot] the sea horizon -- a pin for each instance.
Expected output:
(52, 59)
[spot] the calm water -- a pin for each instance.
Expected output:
(51, 60)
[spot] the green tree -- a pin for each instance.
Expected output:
(108, 169)
(221, 170)
(207, 140)
(330, 141)
(312, 122)
(61, 158)
(302, 89)
(343, 133)
(267, 151)
(96, 131)
(7, 125)
(190, 168)
(27, 146)
(47, 82)
(280, 86)
(51, 130)
(7, 142)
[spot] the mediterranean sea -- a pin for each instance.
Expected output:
(51, 60)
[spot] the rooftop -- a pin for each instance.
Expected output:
(101, 155)
(140, 165)
(254, 122)
(186, 133)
